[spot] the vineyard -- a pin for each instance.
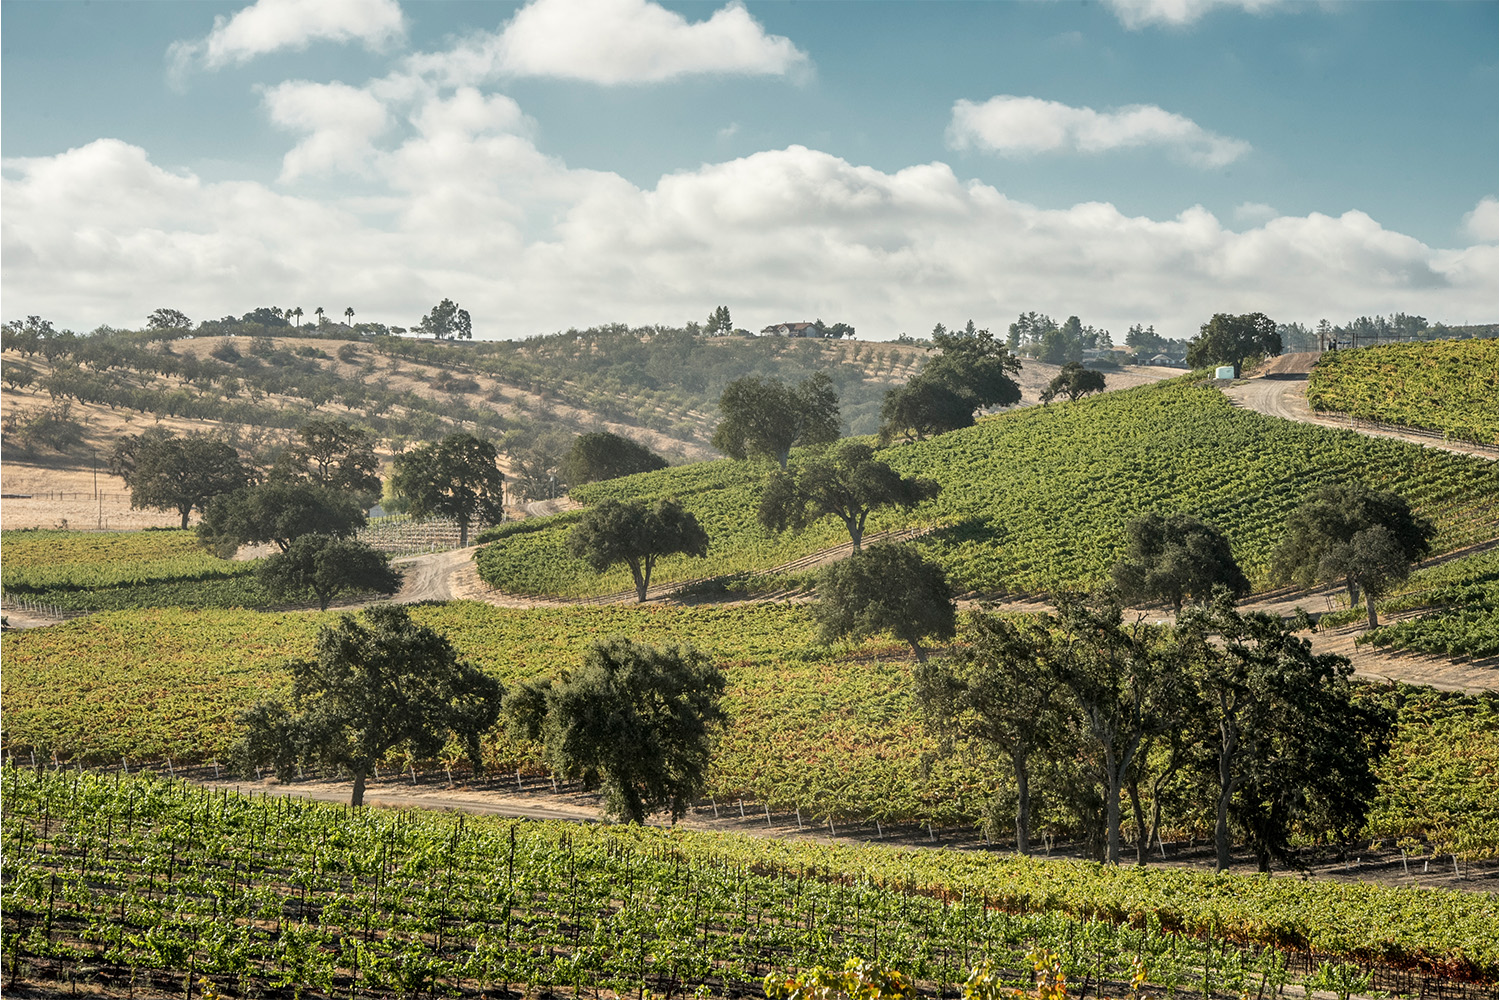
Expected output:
(831, 732)
(1038, 499)
(1445, 385)
(140, 875)
(1464, 621)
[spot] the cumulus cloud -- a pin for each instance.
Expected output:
(1483, 223)
(272, 25)
(471, 210)
(1022, 126)
(612, 42)
(1178, 13)
(339, 122)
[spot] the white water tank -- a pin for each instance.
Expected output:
(1224, 371)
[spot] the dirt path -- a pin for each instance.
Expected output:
(495, 796)
(1282, 393)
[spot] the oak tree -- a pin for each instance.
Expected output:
(847, 483)
(885, 588)
(456, 477)
(766, 417)
(617, 531)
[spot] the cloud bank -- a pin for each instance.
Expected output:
(1025, 126)
(1179, 13)
(469, 209)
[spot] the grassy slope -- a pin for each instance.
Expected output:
(1039, 498)
(1444, 385)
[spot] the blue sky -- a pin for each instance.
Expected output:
(891, 165)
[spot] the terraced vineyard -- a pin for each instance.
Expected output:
(1450, 386)
(115, 876)
(1038, 499)
(830, 731)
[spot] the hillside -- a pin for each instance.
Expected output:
(62, 414)
(1448, 386)
(1039, 498)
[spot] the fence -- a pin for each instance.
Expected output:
(399, 535)
(65, 495)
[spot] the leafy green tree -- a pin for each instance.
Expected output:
(537, 463)
(971, 370)
(168, 319)
(848, 483)
(1288, 742)
(18, 376)
(885, 588)
(277, 512)
(1122, 679)
(447, 321)
(374, 685)
(602, 455)
(456, 477)
(998, 686)
(333, 454)
(618, 531)
(766, 417)
(1172, 556)
(921, 407)
(1351, 533)
(328, 566)
(1228, 340)
(165, 472)
(1074, 381)
(635, 719)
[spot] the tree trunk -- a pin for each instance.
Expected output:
(856, 531)
(1353, 590)
(916, 647)
(1023, 802)
(185, 512)
(463, 532)
(1370, 606)
(641, 578)
(1112, 811)
(1142, 839)
(1222, 857)
(357, 799)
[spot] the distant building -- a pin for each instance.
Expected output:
(790, 330)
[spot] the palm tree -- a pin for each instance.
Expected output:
(319, 312)
(349, 316)
(297, 312)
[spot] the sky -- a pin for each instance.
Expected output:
(891, 165)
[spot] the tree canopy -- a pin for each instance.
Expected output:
(766, 417)
(636, 719)
(885, 588)
(277, 512)
(1172, 556)
(1228, 340)
(1351, 533)
(1286, 740)
(328, 566)
(447, 321)
(618, 531)
(374, 684)
(456, 477)
(972, 370)
(165, 472)
(999, 686)
(848, 483)
(602, 455)
(333, 454)
(1074, 381)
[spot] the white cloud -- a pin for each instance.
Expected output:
(1179, 13)
(1254, 213)
(271, 25)
(468, 208)
(1483, 223)
(614, 42)
(1022, 126)
(340, 123)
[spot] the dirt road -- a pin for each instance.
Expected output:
(1283, 394)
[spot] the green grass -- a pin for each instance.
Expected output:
(1039, 499)
(1442, 385)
